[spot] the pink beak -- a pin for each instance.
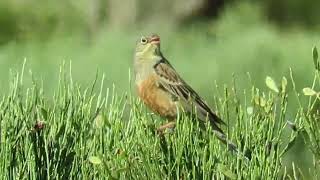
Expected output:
(155, 40)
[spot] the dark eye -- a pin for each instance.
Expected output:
(144, 40)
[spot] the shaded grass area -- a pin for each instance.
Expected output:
(95, 132)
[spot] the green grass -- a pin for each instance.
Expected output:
(94, 132)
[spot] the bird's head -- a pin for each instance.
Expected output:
(148, 47)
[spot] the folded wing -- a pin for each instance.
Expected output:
(173, 83)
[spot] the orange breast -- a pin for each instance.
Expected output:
(156, 98)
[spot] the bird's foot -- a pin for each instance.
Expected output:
(170, 126)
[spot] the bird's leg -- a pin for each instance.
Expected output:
(169, 125)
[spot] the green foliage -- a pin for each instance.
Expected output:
(24, 20)
(293, 11)
(85, 131)
(29, 19)
(271, 84)
(315, 58)
(82, 134)
(311, 113)
(10, 30)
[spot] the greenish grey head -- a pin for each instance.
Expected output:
(147, 48)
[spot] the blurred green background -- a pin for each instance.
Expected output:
(206, 40)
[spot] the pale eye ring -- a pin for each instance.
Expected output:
(143, 40)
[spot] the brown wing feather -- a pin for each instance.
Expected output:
(173, 83)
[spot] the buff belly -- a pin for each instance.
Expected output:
(156, 98)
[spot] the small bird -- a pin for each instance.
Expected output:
(162, 89)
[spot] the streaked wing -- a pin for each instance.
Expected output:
(173, 83)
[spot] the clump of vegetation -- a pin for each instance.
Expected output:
(311, 114)
(94, 132)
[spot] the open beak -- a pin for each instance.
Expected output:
(155, 40)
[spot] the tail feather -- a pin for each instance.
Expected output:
(231, 146)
